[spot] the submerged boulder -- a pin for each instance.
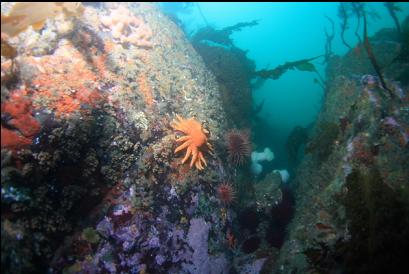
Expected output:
(89, 166)
(350, 193)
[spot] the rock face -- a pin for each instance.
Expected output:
(233, 71)
(91, 183)
(352, 185)
(90, 180)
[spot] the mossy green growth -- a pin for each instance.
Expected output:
(75, 268)
(322, 143)
(245, 192)
(378, 229)
(204, 207)
(403, 56)
(297, 138)
(268, 192)
(378, 224)
(90, 235)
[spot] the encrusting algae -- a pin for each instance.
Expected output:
(109, 115)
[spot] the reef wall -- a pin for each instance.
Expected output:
(233, 72)
(352, 188)
(90, 179)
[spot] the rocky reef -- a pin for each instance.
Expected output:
(115, 147)
(231, 67)
(352, 185)
(125, 148)
(88, 165)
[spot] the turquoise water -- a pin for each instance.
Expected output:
(286, 32)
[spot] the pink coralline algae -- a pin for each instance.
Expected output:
(347, 166)
(358, 152)
(122, 209)
(369, 81)
(372, 97)
(391, 126)
(399, 91)
(391, 121)
(369, 84)
(343, 123)
(362, 153)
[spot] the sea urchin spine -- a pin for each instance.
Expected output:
(238, 146)
(226, 193)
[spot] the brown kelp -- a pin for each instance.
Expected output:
(7, 50)
(301, 65)
(358, 10)
(349, 10)
(220, 36)
(392, 9)
(328, 39)
(372, 58)
(343, 15)
(240, 25)
(275, 73)
(23, 15)
(370, 206)
(201, 13)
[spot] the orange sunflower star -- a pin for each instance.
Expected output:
(195, 137)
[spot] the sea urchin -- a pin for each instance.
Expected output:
(226, 193)
(238, 146)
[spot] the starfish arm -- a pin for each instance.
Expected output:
(173, 124)
(188, 153)
(179, 118)
(201, 158)
(194, 156)
(182, 146)
(210, 146)
(201, 165)
(177, 126)
(198, 165)
(183, 138)
(179, 121)
(182, 128)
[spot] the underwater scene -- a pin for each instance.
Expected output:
(200, 137)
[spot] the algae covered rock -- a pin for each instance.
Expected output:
(353, 188)
(88, 162)
(268, 192)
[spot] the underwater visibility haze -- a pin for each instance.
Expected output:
(203, 137)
